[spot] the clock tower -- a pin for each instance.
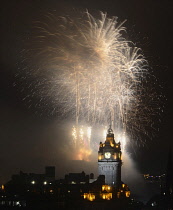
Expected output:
(109, 160)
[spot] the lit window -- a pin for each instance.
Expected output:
(106, 188)
(118, 194)
(154, 203)
(100, 157)
(127, 194)
(89, 196)
(107, 196)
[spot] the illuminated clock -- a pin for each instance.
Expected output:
(107, 155)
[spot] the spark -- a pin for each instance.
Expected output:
(121, 137)
(89, 134)
(104, 133)
(74, 135)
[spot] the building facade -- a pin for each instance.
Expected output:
(109, 160)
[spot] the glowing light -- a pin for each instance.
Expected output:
(106, 196)
(82, 139)
(112, 145)
(33, 182)
(89, 196)
(99, 157)
(83, 154)
(106, 188)
(17, 203)
(127, 194)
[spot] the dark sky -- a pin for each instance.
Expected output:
(29, 141)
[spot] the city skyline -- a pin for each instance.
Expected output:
(32, 139)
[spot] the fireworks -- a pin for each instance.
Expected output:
(90, 73)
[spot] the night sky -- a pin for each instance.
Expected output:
(30, 138)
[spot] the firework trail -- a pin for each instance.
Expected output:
(88, 71)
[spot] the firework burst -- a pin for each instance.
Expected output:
(86, 69)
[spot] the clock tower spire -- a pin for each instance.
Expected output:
(109, 160)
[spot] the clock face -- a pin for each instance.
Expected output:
(107, 155)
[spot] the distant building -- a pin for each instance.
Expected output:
(76, 190)
(169, 175)
(109, 160)
(77, 178)
(50, 173)
(164, 200)
(31, 182)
